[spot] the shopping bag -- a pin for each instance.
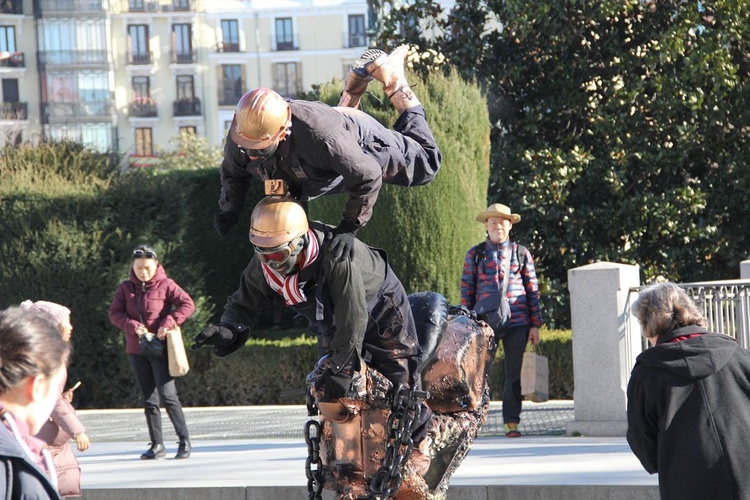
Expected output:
(178, 362)
(535, 377)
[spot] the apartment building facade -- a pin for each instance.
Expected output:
(129, 75)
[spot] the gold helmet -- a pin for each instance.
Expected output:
(261, 119)
(277, 221)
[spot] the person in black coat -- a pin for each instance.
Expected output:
(316, 149)
(357, 307)
(689, 401)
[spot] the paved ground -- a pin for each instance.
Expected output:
(257, 422)
(252, 448)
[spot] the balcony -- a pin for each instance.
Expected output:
(73, 57)
(229, 97)
(142, 107)
(184, 57)
(152, 6)
(16, 60)
(228, 47)
(140, 57)
(11, 6)
(53, 110)
(14, 111)
(284, 43)
(43, 8)
(187, 107)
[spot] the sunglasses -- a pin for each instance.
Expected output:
(144, 254)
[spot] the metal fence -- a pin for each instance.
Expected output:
(725, 304)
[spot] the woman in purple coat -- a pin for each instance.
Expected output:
(149, 301)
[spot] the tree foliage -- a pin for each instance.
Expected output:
(620, 130)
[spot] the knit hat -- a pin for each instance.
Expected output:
(55, 313)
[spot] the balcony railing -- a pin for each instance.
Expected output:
(71, 109)
(14, 111)
(228, 47)
(355, 40)
(73, 57)
(184, 57)
(283, 44)
(142, 108)
(158, 5)
(45, 7)
(229, 97)
(16, 60)
(140, 57)
(187, 107)
(11, 6)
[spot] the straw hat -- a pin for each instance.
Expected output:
(498, 210)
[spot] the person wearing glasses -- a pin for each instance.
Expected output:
(149, 301)
(318, 150)
(358, 307)
(33, 362)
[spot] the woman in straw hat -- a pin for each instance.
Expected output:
(490, 267)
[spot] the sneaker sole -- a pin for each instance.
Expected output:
(369, 56)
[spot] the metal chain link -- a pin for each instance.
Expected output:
(314, 482)
(405, 412)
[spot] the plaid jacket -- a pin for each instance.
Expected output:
(485, 277)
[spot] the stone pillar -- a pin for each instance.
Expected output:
(745, 270)
(604, 346)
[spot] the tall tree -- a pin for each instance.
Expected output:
(619, 129)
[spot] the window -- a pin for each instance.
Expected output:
(10, 90)
(182, 44)
(357, 31)
(189, 130)
(286, 80)
(230, 36)
(231, 83)
(141, 87)
(7, 39)
(143, 143)
(185, 87)
(138, 51)
(284, 34)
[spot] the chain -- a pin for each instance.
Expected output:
(312, 438)
(405, 412)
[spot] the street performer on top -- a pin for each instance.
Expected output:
(316, 149)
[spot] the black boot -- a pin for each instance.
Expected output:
(155, 452)
(183, 451)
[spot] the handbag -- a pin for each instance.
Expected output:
(535, 376)
(178, 362)
(496, 307)
(151, 346)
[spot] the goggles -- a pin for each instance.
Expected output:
(261, 153)
(144, 254)
(279, 255)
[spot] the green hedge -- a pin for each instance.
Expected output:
(273, 372)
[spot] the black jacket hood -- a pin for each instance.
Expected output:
(693, 358)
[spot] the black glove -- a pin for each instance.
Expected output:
(225, 337)
(342, 241)
(224, 221)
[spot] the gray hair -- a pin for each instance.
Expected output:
(664, 307)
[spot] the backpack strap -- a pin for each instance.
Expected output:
(479, 254)
(521, 256)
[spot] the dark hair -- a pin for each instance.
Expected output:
(664, 307)
(29, 346)
(144, 251)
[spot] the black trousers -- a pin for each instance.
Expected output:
(407, 154)
(157, 387)
(514, 344)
